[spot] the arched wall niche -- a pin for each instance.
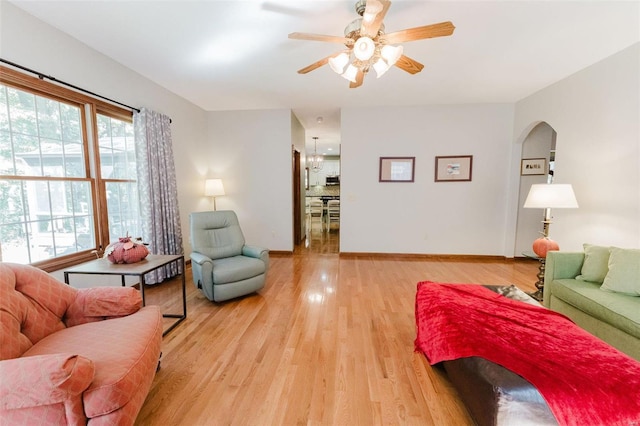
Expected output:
(538, 141)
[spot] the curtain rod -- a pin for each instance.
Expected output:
(42, 76)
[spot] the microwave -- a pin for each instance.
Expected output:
(333, 180)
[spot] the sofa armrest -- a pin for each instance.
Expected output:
(99, 303)
(43, 380)
(257, 252)
(560, 265)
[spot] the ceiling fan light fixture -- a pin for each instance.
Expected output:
(381, 67)
(338, 63)
(372, 9)
(351, 73)
(391, 54)
(364, 48)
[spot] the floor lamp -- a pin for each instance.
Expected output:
(547, 196)
(213, 188)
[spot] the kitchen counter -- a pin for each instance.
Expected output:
(324, 191)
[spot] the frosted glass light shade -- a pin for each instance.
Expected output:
(364, 48)
(372, 9)
(350, 73)
(338, 63)
(391, 54)
(381, 67)
(213, 187)
(555, 195)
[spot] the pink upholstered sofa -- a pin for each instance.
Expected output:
(70, 356)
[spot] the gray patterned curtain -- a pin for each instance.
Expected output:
(157, 190)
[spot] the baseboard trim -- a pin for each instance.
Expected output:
(420, 256)
(280, 253)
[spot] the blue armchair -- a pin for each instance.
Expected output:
(223, 266)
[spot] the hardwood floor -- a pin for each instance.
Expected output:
(328, 341)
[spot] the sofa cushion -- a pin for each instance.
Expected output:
(123, 350)
(236, 268)
(619, 310)
(624, 272)
(31, 307)
(596, 263)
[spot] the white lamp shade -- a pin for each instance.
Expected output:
(381, 67)
(391, 54)
(350, 73)
(364, 48)
(557, 196)
(213, 187)
(338, 63)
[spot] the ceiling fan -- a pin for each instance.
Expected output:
(369, 46)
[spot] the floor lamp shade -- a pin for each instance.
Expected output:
(548, 196)
(213, 187)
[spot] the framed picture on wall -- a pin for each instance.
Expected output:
(397, 169)
(454, 168)
(533, 166)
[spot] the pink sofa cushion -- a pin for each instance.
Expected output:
(33, 304)
(99, 303)
(123, 350)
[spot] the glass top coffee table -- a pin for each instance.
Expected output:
(139, 269)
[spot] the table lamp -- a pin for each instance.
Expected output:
(213, 188)
(547, 196)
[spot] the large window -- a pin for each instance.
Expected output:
(67, 173)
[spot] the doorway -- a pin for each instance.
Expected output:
(540, 143)
(322, 208)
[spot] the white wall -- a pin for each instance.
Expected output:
(425, 217)
(596, 114)
(251, 152)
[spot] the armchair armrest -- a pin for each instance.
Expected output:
(257, 252)
(43, 380)
(202, 269)
(99, 303)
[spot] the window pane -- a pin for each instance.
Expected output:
(42, 133)
(22, 112)
(117, 150)
(122, 205)
(40, 220)
(6, 154)
(48, 112)
(4, 109)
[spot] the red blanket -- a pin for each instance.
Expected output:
(584, 380)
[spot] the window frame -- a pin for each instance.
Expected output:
(89, 109)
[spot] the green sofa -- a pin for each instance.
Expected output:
(573, 286)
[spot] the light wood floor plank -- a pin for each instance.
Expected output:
(328, 341)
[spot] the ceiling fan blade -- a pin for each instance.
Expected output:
(317, 64)
(321, 37)
(409, 65)
(371, 28)
(418, 33)
(359, 80)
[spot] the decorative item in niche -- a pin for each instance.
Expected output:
(454, 168)
(397, 169)
(126, 250)
(533, 166)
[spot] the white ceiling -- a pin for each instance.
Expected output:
(226, 55)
